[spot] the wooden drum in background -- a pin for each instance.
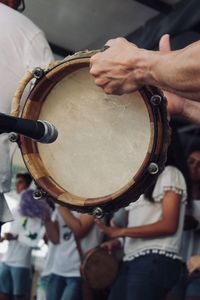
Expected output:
(109, 148)
(99, 268)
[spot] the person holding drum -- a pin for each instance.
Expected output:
(73, 234)
(124, 68)
(22, 47)
(151, 265)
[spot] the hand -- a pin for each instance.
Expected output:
(9, 236)
(193, 263)
(175, 102)
(111, 232)
(113, 69)
(111, 245)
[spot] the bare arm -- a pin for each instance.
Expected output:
(191, 111)
(176, 71)
(52, 231)
(178, 105)
(80, 226)
(124, 68)
(166, 226)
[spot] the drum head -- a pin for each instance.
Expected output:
(103, 140)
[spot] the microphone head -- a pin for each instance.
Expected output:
(50, 134)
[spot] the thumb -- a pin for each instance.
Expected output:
(164, 44)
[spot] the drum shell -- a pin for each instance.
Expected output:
(99, 269)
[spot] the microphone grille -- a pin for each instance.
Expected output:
(50, 134)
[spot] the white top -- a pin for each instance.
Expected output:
(191, 239)
(143, 212)
(22, 47)
(18, 254)
(48, 266)
(67, 260)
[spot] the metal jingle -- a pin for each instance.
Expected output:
(38, 194)
(38, 73)
(156, 100)
(13, 137)
(98, 213)
(153, 168)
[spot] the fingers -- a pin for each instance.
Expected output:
(102, 226)
(191, 267)
(193, 263)
(164, 44)
(107, 246)
(113, 42)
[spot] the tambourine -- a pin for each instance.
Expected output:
(109, 150)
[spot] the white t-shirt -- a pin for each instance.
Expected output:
(48, 266)
(143, 212)
(66, 259)
(22, 47)
(18, 254)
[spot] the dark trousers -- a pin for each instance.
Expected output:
(149, 277)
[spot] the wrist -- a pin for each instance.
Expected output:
(144, 67)
(121, 233)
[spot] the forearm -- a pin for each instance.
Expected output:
(147, 231)
(191, 111)
(74, 223)
(175, 71)
(52, 232)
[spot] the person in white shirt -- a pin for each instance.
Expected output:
(16, 263)
(188, 286)
(25, 232)
(22, 46)
(151, 264)
(67, 231)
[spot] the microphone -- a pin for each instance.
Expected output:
(40, 131)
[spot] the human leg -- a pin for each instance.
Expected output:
(56, 287)
(21, 279)
(72, 289)
(5, 282)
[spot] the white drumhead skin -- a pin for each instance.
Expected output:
(102, 141)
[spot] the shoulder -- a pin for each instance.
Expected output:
(171, 179)
(171, 175)
(10, 16)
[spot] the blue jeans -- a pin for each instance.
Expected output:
(149, 277)
(14, 280)
(64, 288)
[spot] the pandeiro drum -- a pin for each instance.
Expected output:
(109, 150)
(99, 268)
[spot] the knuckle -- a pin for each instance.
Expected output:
(120, 39)
(98, 82)
(110, 42)
(93, 71)
(108, 90)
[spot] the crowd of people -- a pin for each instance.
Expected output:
(158, 234)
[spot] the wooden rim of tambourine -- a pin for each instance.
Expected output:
(153, 163)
